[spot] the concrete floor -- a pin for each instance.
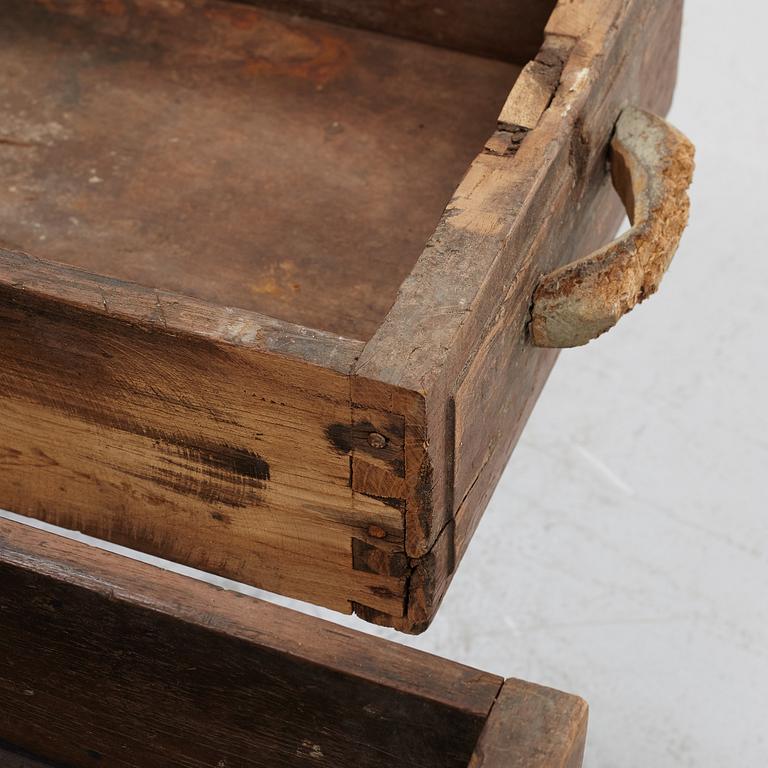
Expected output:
(624, 556)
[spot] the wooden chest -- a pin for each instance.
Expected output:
(280, 281)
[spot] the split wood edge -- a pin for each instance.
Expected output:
(531, 726)
(652, 167)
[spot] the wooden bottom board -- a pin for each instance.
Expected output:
(241, 156)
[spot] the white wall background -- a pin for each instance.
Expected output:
(624, 556)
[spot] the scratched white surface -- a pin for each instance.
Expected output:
(625, 554)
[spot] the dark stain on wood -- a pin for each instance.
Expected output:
(383, 592)
(339, 436)
(423, 495)
(214, 473)
(371, 559)
(346, 438)
(390, 501)
(227, 460)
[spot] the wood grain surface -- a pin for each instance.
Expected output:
(248, 158)
(107, 661)
(493, 28)
(533, 727)
(346, 473)
(203, 448)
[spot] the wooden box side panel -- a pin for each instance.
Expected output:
(105, 660)
(495, 28)
(579, 213)
(207, 449)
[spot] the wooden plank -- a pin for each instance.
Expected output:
(188, 432)
(576, 17)
(533, 727)
(495, 28)
(242, 445)
(110, 660)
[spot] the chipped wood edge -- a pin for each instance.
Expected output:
(173, 313)
(652, 167)
(531, 726)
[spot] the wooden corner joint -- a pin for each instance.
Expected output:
(388, 460)
(427, 579)
(652, 167)
(377, 478)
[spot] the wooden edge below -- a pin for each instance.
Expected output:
(533, 727)
(173, 313)
(64, 613)
(185, 600)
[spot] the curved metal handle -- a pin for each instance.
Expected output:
(652, 167)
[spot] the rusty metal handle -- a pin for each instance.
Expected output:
(652, 167)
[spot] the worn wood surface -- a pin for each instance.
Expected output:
(493, 28)
(537, 198)
(104, 660)
(207, 448)
(203, 147)
(651, 167)
(383, 455)
(533, 727)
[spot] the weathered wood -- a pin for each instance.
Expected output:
(203, 147)
(595, 87)
(104, 659)
(535, 88)
(533, 727)
(383, 455)
(652, 167)
(206, 448)
(495, 28)
(521, 211)
(528, 727)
